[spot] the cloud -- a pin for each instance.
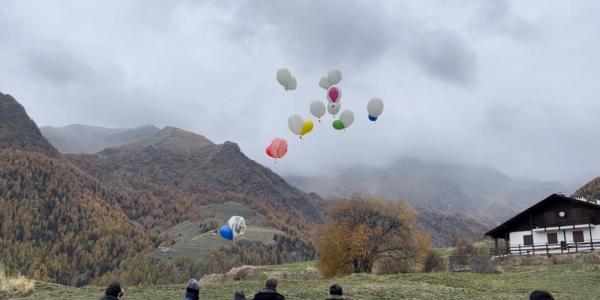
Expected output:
(499, 18)
(446, 56)
(463, 81)
(55, 64)
(357, 34)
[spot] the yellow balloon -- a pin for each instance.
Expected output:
(307, 127)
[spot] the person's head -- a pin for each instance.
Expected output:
(193, 286)
(114, 289)
(540, 295)
(239, 295)
(335, 289)
(271, 283)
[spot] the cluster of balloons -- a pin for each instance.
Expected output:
(285, 78)
(299, 126)
(334, 105)
(235, 227)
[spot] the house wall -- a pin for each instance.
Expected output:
(540, 237)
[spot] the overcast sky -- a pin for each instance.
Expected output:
(508, 84)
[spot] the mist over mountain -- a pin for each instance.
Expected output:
(452, 188)
(91, 139)
(453, 201)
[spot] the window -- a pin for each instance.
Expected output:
(578, 236)
(552, 238)
(528, 240)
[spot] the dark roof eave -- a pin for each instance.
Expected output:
(503, 227)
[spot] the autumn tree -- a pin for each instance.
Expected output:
(364, 230)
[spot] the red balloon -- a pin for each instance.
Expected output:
(278, 148)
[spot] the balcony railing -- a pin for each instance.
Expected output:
(565, 223)
(545, 248)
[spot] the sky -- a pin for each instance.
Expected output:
(511, 85)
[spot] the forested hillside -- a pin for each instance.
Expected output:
(56, 222)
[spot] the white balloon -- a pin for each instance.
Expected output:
(292, 85)
(324, 83)
(317, 108)
(347, 118)
(334, 77)
(375, 107)
(334, 108)
(237, 225)
(295, 123)
(284, 77)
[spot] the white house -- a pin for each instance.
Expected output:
(557, 224)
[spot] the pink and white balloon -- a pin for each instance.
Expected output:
(334, 94)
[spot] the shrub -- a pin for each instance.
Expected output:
(14, 286)
(483, 264)
(464, 247)
(366, 233)
(434, 262)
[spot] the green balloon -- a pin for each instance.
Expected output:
(337, 124)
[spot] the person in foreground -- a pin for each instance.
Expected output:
(540, 295)
(113, 292)
(239, 295)
(336, 292)
(269, 292)
(192, 290)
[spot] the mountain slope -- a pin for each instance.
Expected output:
(17, 130)
(174, 171)
(590, 190)
(91, 139)
(56, 222)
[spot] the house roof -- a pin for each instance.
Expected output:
(496, 232)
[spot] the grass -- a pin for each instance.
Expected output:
(575, 281)
(14, 286)
(192, 243)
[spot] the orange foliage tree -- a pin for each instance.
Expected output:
(362, 230)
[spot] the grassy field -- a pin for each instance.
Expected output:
(575, 281)
(193, 243)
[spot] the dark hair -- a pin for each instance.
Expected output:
(239, 295)
(540, 295)
(271, 283)
(114, 289)
(335, 289)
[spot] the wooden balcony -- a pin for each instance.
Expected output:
(545, 248)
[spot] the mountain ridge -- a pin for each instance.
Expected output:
(177, 164)
(18, 130)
